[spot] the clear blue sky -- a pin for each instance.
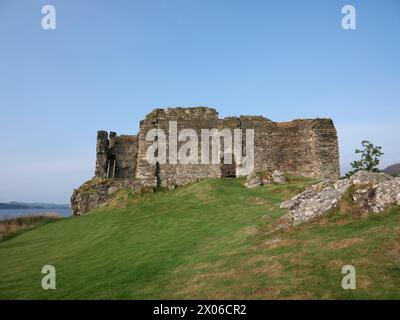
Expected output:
(109, 63)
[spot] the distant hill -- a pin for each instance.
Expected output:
(16, 206)
(35, 205)
(393, 169)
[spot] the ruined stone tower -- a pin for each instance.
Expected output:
(116, 155)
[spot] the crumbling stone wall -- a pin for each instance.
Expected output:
(301, 147)
(176, 174)
(307, 148)
(116, 155)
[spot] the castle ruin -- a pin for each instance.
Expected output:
(306, 147)
(302, 147)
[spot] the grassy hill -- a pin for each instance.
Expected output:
(206, 240)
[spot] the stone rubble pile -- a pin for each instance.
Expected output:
(255, 179)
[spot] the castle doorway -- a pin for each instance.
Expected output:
(228, 170)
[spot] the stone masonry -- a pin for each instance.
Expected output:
(307, 147)
(302, 147)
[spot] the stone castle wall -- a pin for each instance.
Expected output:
(116, 156)
(301, 147)
(176, 174)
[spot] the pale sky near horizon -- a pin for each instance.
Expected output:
(109, 63)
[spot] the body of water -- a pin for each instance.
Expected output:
(9, 213)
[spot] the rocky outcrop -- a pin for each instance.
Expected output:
(370, 192)
(260, 179)
(369, 178)
(253, 180)
(312, 203)
(96, 192)
(377, 197)
(278, 177)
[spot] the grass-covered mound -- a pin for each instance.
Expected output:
(206, 240)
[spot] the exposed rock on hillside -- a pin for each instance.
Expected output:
(367, 178)
(312, 202)
(278, 177)
(378, 197)
(96, 192)
(253, 180)
(259, 179)
(370, 192)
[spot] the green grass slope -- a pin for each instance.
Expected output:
(207, 240)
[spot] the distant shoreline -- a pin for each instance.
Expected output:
(11, 213)
(22, 206)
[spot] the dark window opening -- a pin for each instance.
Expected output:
(228, 170)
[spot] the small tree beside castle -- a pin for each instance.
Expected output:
(370, 158)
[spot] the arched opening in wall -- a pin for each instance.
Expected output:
(228, 170)
(157, 174)
(111, 166)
